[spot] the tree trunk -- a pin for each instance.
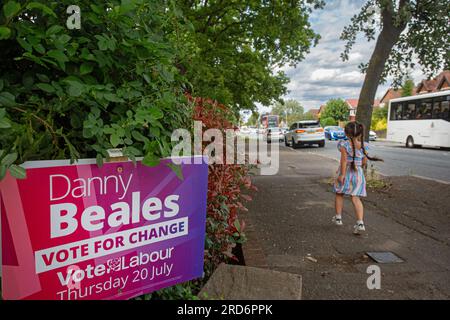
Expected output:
(388, 37)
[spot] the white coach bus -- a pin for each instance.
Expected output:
(420, 120)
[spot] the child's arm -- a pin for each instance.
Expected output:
(343, 165)
(364, 162)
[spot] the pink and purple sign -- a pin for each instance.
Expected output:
(79, 231)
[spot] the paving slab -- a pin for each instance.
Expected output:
(234, 282)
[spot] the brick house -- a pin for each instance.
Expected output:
(441, 82)
(444, 82)
(353, 105)
(391, 94)
(315, 113)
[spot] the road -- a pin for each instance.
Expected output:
(398, 160)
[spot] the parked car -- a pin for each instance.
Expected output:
(372, 135)
(334, 133)
(273, 134)
(305, 133)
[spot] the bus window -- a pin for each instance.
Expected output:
(436, 108)
(409, 112)
(424, 110)
(445, 108)
(441, 108)
(396, 111)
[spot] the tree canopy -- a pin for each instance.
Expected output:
(407, 87)
(408, 31)
(290, 110)
(253, 119)
(336, 109)
(237, 47)
(422, 29)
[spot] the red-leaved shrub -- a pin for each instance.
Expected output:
(226, 184)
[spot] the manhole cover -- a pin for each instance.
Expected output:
(384, 257)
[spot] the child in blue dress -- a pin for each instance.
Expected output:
(351, 180)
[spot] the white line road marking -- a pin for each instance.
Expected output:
(431, 179)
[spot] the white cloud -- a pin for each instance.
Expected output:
(355, 57)
(354, 77)
(323, 74)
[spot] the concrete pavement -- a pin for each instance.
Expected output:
(290, 218)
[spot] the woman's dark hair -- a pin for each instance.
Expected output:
(356, 130)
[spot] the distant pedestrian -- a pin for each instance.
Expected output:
(351, 180)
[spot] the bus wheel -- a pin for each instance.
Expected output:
(410, 142)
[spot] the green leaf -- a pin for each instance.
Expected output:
(155, 131)
(18, 171)
(151, 160)
(4, 123)
(75, 88)
(112, 97)
(2, 172)
(99, 160)
(59, 56)
(53, 30)
(9, 159)
(86, 68)
(46, 87)
(7, 99)
(43, 77)
(86, 55)
(24, 44)
(96, 9)
(138, 136)
(105, 43)
(115, 140)
(156, 113)
(127, 6)
(177, 169)
(42, 7)
(237, 225)
(147, 78)
(5, 33)
(102, 42)
(39, 48)
(11, 8)
(64, 38)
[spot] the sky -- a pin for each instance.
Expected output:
(323, 75)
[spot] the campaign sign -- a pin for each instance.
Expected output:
(79, 231)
